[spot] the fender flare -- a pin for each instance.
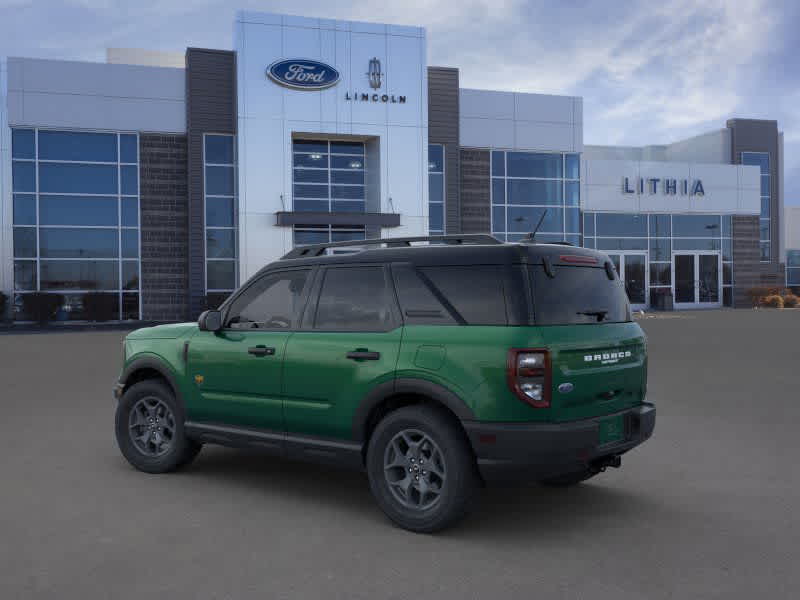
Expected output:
(407, 385)
(158, 365)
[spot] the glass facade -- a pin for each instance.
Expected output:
(659, 236)
(76, 219)
(436, 192)
(219, 160)
(528, 187)
(328, 176)
(761, 160)
(793, 268)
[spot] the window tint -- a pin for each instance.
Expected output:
(354, 299)
(417, 302)
(272, 302)
(566, 298)
(476, 292)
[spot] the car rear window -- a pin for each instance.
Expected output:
(578, 295)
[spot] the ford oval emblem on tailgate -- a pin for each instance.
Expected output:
(566, 388)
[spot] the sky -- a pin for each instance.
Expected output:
(649, 72)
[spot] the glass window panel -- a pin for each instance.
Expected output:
(572, 220)
(765, 251)
(343, 162)
(353, 177)
(574, 239)
(435, 158)
(77, 210)
(310, 191)
(793, 277)
(498, 163)
(25, 275)
(353, 299)
(727, 273)
(130, 212)
(436, 217)
(498, 191)
(304, 237)
(498, 218)
(347, 148)
(25, 242)
(79, 275)
(129, 180)
(220, 274)
(23, 176)
(696, 225)
(130, 307)
(23, 143)
(793, 258)
(128, 148)
(763, 229)
(621, 244)
(660, 249)
(77, 145)
(311, 205)
(219, 149)
(56, 242)
(522, 191)
(436, 187)
(310, 146)
(348, 192)
(661, 274)
(130, 243)
(311, 175)
(130, 274)
(220, 243)
(348, 206)
(588, 224)
(765, 185)
(77, 179)
(24, 209)
(524, 219)
(660, 226)
(339, 235)
(759, 159)
(727, 226)
(315, 160)
(572, 190)
(573, 166)
(531, 164)
(219, 181)
(623, 225)
(219, 212)
(727, 297)
(765, 208)
(695, 244)
(589, 242)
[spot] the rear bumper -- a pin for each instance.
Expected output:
(530, 451)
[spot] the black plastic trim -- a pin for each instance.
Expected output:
(161, 367)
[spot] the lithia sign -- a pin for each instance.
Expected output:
(667, 186)
(306, 74)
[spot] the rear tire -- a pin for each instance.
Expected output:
(568, 479)
(149, 428)
(421, 469)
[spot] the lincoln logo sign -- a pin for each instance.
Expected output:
(302, 74)
(668, 186)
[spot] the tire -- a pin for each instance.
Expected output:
(568, 479)
(160, 446)
(404, 439)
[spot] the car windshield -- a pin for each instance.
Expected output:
(577, 295)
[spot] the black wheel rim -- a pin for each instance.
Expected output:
(414, 469)
(151, 426)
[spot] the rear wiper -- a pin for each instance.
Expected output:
(600, 314)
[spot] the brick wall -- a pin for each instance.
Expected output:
(165, 227)
(748, 271)
(476, 216)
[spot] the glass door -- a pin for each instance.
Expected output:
(696, 279)
(632, 270)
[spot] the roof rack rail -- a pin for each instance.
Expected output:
(318, 249)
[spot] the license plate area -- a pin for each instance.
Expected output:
(611, 430)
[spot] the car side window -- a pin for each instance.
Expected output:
(354, 299)
(272, 302)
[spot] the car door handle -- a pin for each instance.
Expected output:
(363, 355)
(261, 351)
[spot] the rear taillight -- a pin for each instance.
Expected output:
(528, 374)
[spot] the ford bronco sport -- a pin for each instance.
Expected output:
(435, 367)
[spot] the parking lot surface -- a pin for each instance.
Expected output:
(706, 509)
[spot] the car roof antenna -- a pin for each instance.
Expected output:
(532, 235)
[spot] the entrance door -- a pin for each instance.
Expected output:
(632, 269)
(696, 279)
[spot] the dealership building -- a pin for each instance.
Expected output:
(168, 179)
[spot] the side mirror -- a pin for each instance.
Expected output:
(210, 320)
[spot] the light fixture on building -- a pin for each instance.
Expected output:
(316, 156)
(355, 164)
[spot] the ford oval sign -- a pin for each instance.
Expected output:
(303, 74)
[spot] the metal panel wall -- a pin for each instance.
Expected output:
(443, 128)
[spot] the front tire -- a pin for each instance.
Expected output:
(421, 469)
(149, 428)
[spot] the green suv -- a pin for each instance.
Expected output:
(435, 367)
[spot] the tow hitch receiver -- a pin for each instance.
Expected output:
(601, 464)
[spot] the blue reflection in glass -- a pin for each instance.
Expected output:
(219, 212)
(621, 244)
(319, 161)
(435, 158)
(498, 191)
(24, 275)
(310, 191)
(130, 275)
(219, 149)
(80, 275)
(530, 164)
(128, 148)
(727, 225)
(344, 162)
(573, 166)
(130, 212)
(436, 217)
(660, 226)
(572, 190)
(23, 143)
(524, 191)
(623, 225)
(347, 148)
(349, 192)
(130, 243)
(23, 176)
(311, 205)
(522, 219)
(25, 242)
(24, 209)
(696, 225)
(77, 179)
(588, 224)
(354, 206)
(498, 163)
(129, 183)
(302, 238)
(77, 210)
(345, 236)
(356, 177)
(221, 274)
(311, 175)
(219, 181)
(78, 243)
(79, 146)
(660, 249)
(572, 220)
(436, 187)
(220, 243)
